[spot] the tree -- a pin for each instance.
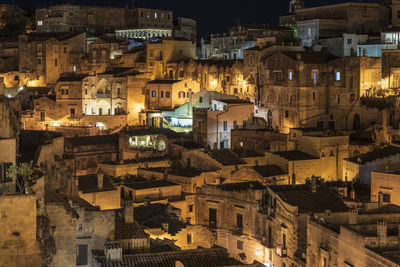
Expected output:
(22, 175)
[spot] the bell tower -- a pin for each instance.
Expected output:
(296, 5)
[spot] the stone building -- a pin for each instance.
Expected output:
(361, 166)
(9, 55)
(230, 46)
(384, 187)
(160, 53)
(61, 18)
(315, 89)
(103, 50)
(368, 238)
(212, 128)
(47, 55)
(312, 152)
(286, 211)
(18, 240)
(333, 20)
(230, 211)
(185, 28)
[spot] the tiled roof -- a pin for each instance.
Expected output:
(310, 57)
(374, 155)
(71, 77)
(247, 153)
(30, 141)
(204, 257)
(154, 215)
(92, 140)
(153, 131)
(294, 155)
(307, 201)
(226, 157)
(255, 185)
(125, 230)
(43, 36)
(269, 170)
(151, 184)
(89, 184)
(163, 81)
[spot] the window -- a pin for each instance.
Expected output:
(42, 116)
(72, 112)
(100, 111)
(386, 198)
(286, 114)
(189, 238)
(284, 240)
(167, 94)
(40, 22)
(338, 76)
(290, 75)
(212, 218)
(65, 49)
(109, 111)
(162, 94)
(331, 154)
(234, 124)
(80, 226)
(39, 61)
(338, 99)
(81, 254)
(225, 126)
(239, 222)
(315, 76)
(142, 14)
(200, 99)
(153, 94)
(239, 244)
(85, 91)
(349, 41)
(55, 62)
(190, 208)
(155, 15)
(74, 68)
(313, 95)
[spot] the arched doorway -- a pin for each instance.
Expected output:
(269, 118)
(356, 122)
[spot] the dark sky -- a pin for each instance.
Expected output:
(212, 16)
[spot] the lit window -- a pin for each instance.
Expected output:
(290, 75)
(315, 74)
(40, 22)
(338, 76)
(153, 94)
(155, 15)
(74, 68)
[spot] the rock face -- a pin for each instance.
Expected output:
(47, 245)
(10, 118)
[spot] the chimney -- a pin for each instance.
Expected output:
(381, 229)
(100, 179)
(313, 184)
(128, 212)
(380, 199)
(353, 216)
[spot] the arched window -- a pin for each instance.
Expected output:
(167, 94)
(153, 94)
(235, 91)
(181, 94)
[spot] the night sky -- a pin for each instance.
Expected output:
(212, 16)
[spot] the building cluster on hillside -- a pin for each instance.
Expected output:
(125, 142)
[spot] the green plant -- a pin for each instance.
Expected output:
(22, 175)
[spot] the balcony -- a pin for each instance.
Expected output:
(281, 251)
(103, 95)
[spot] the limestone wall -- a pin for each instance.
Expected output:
(18, 246)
